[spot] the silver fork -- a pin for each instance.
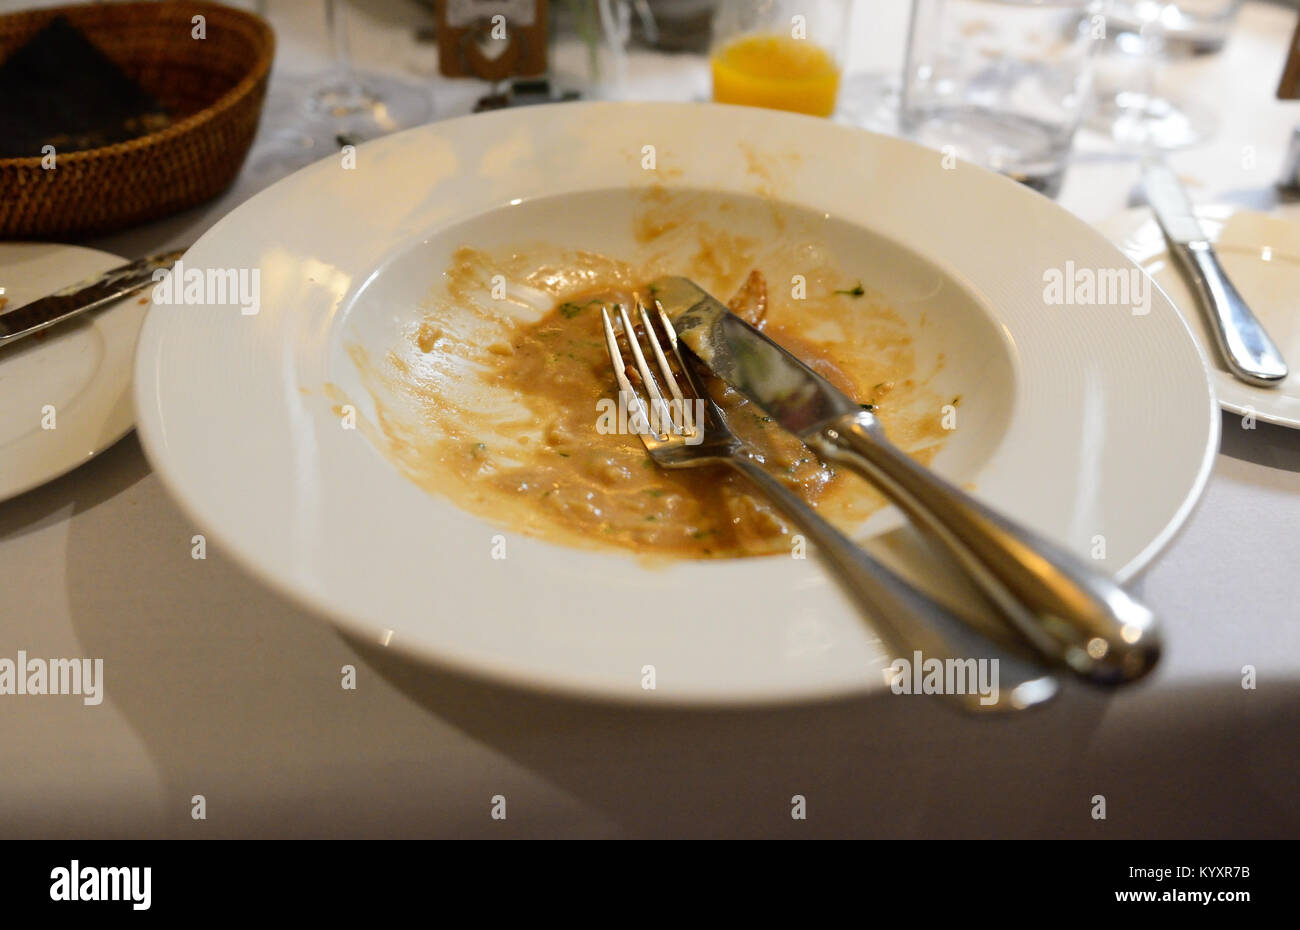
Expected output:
(908, 619)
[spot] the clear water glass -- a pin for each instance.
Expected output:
(1001, 83)
(1135, 104)
(1199, 26)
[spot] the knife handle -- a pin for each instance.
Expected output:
(907, 618)
(1068, 611)
(1245, 346)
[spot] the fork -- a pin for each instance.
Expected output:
(908, 619)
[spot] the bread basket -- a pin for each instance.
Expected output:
(212, 87)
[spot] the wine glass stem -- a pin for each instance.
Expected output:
(1152, 48)
(336, 23)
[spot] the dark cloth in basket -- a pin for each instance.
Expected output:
(59, 89)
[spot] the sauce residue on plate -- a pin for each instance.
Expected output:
(493, 398)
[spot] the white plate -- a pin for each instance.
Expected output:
(76, 379)
(1261, 254)
(1083, 422)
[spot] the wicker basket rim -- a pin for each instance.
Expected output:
(227, 100)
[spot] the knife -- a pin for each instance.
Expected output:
(1066, 610)
(75, 300)
(1246, 348)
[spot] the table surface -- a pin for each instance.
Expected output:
(217, 687)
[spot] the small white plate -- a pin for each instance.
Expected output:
(65, 397)
(1261, 254)
(1093, 425)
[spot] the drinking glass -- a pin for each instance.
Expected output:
(1131, 106)
(603, 31)
(782, 54)
(1002, 83)
(1199, 26)
(365, 106)
(306, 119)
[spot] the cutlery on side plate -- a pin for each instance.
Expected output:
(19, 322)
(1067, 611)
(908, 618)
(1245, 346)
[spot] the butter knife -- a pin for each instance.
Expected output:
(1246, 348)
(114, 284)
(1065, 609)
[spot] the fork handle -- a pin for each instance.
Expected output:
(909, 619)
(1067, 610)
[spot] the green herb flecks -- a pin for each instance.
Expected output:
(569, 309)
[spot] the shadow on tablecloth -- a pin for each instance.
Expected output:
(225, 689)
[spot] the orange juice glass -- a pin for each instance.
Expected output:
(781, 54)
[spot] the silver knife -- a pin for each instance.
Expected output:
(1246, 348)
(114, 284)
(1065, 609)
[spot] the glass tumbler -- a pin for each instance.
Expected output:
(1001, 83)
(781, 54)
(1198, 26)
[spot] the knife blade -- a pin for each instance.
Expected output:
(1243, 343)
(790, 392)
(19, 322)
(1065, 609)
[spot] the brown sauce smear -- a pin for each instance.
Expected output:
(500, 411)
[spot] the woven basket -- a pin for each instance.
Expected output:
(212, 87)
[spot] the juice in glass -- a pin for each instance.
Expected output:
(776, 71)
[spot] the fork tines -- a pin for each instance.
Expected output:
(665, 416)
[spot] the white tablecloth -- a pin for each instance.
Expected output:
(217, 687)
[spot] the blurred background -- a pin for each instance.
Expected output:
(1007, 84)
